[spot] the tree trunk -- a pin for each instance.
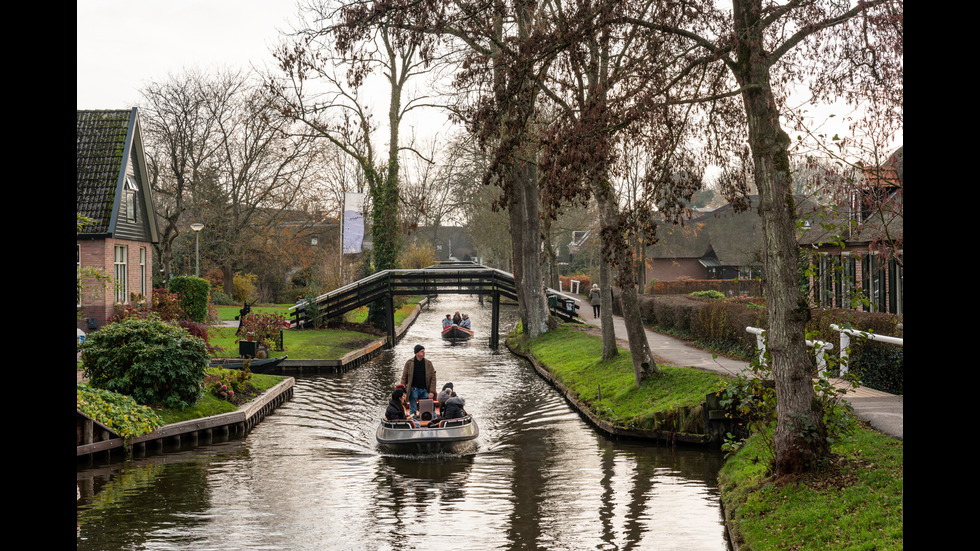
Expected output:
(228, 278)
(526, 241)
(619, 254)
(800, 436)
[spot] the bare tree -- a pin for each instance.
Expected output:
(766, 48)
(181, 142)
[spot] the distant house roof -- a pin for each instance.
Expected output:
(723, 236)
(109, 147)
(887, 216)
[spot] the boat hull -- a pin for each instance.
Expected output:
(455, 436)
(262, 366)
(456, 333)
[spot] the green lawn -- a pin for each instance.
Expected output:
(855, 502)
(315, 344)
(209, 404)
(228, 313)
(609, 388)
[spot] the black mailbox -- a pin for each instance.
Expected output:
(248, 349)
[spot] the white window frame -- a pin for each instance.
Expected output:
(143, 271)
(120, 268)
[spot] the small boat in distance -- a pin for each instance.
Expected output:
(449, 436)
(456, 333)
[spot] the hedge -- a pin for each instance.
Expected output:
(728, 287)
(193, 293)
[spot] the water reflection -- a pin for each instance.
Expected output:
(310, 475)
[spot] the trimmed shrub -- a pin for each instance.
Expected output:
(728, 287)
(194, 296)
(153, 361)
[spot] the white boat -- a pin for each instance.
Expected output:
(451, 436)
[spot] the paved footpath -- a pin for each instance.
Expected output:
(885, 412)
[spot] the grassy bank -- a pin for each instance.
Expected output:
(209, 404)
(316, 344)
(855, 502)
(608, 388)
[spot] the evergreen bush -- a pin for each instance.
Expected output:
(153, 361)
(194, 296)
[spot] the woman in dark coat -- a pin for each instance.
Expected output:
(396, 407)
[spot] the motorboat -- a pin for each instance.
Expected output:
(456, 333)
(445, 435)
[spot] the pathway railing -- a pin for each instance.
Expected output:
(821, 348)
(845, 342)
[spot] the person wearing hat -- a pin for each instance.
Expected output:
(419, 378)
(465, 322)
(444, 396)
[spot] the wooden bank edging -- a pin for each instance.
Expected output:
(240, 421)
(609, 428)
(353, 358)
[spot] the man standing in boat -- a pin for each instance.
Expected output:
(419, 378)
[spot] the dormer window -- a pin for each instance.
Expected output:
(130, 190)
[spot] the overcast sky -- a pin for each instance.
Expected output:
(125, 44)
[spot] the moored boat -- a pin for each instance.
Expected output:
(450, 436)
(265, 365)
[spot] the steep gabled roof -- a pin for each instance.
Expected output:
(105, 142)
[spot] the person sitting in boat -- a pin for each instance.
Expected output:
(457, 318)
(396, 408)
(446, 394)
(447, 322)
(465, 322)
(454, 408)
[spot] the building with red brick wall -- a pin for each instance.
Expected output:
(113, 194)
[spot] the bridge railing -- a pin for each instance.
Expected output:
(475, 280)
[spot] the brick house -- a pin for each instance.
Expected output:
(113, 191)
(848, 251)
(718, 244)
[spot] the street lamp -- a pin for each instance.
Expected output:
(197, 247)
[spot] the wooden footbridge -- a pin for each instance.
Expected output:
(463, 278)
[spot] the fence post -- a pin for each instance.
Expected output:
(820, 348)
(845, 341)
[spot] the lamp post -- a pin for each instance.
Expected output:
(197, 247)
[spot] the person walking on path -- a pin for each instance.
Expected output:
(595, 300)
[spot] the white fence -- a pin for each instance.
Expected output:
(821, 348)
(572, 286)
(845, 342)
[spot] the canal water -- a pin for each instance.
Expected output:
(310, 476)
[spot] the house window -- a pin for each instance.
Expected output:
(119, 263)
(131, 190)
(143, 271)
